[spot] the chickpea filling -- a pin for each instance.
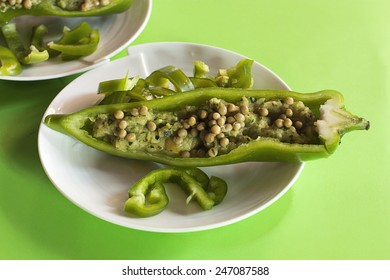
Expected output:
(69, 5)
(81, 5)
(215, 128)
(17, 4)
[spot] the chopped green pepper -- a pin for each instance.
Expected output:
(147, 197)
(61, 8)
(77, 42)
(15, 44)
(37, 35)
(160, 78)
(170, 80)
(9, 64)
(215, 126)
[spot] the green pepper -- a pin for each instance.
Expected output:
(77, 42)
(202, 82)
(240, 76)
(161, 77)
(37, 35)
(62, 8)
(159, 83)
(15, 44)
(9, 64)
(200, 69)
(330, 121)
(147, 197)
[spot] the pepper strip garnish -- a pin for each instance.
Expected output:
(15, 44)
(9, 64)
(147, 197)
(77, 42)
(176, 76)
(170, 80)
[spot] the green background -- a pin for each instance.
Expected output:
(339, 208)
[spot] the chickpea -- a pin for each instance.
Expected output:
(119, 115)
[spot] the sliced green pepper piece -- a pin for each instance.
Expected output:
(202, 82)
(115, 97)
(200, 69)
(15, 44)
(107, 87)
(217, 189)
(160, 78)
(260, 149)
(9, 64)
(146, 200)
(147, 197)
(62, 9)
(240, 76)
(75, 45)
(38, 33)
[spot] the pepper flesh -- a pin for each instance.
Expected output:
(147, 197)
(158, 83)
(9, 64)
(261, 149)
(51, 8)
(15, 44)
(77, 42)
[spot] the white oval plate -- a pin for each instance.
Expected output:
(98, 183)
(116, 33)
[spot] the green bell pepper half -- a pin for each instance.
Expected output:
(147, 197)
(52, 8)
(328, 106)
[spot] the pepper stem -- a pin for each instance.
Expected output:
(335, 121)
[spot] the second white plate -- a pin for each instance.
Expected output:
(98, 183)
(116, 33)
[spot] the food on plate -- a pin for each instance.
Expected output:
(61, 8)
(15, 43)
(9, 64)
(74, 43)
(204, 120)
(147, 197)
(170, 80)
(215, 126)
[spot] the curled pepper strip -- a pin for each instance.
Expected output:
(37, 35)
(160, 78)
(77, 42)
(156, 85)
(148, 198)
(240, 76)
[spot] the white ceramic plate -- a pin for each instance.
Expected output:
(116, 33)
(98, 182)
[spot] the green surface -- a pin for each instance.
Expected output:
(339, 208)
